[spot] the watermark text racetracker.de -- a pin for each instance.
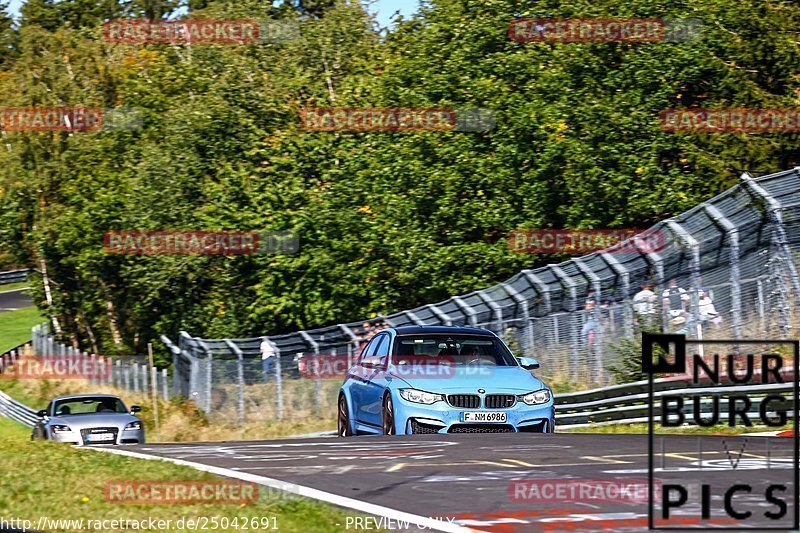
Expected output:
(70, 119)
(337, 366)
(200, 242)
(731, 120)
(581, 242)
(188, 31)
(397, 119)
(579, 490)
(76, 366)
(182, 492)
(636, 30)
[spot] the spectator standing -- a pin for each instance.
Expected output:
(644, 305)
(675, 300)
(268, 355)
(708, 313)
(589, 329)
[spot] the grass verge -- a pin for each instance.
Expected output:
(62, 482)
(15, 326)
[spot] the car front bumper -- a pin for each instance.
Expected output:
(441, 417)
(135, 436)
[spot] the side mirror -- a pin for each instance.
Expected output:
(135, 409)
(528, 363)
(42, 413)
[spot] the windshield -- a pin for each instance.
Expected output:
(451, 350)
(87, 406)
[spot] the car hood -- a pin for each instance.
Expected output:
(470, 379)
(94, 420)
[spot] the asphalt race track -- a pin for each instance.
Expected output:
(13, 300)
(467, 479)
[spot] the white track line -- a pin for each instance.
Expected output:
(335, 499)
(15, 290)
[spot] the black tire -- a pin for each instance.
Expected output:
(343, 419)
(388, 416)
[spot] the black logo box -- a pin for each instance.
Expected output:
(664, 340)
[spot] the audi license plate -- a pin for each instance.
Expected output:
(483, 416)
(100, 437)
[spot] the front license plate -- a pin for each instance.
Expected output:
(484, 416)
(100, 437)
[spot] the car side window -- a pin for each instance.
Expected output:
(369, 349)
(381, 356)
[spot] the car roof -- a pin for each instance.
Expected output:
(80, 396)
(442, 330)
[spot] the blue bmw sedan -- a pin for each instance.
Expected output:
(437, 379)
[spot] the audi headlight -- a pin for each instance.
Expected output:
(59, 428)
(537, 397)
(133, 426)
(419, 396)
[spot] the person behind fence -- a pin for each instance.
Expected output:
(644, 304)
(589, 329)
(268, 355)
(708, 313)
(675, 302)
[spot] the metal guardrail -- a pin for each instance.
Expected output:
(13, 276)
(628, 403)
(9, 407)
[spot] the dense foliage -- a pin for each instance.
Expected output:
(386, 220)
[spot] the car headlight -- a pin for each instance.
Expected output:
(537, 397)
(133, 426)
(59, 428)
(420, 396)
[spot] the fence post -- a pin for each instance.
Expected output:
(543, 292)
(209, 379)
(134, 368)
(597, 348)
(468, 311)
(657, 263)
(573, 299)
(694, 269)
(732, 236)
(497, 311)
(165, 384)
(352, 345)
(443, 317)
(522, 302)
(239, 378)
(317, 382)
(775, 209)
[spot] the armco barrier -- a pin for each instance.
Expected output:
(9, 407)
(628, 403)
(13, 276)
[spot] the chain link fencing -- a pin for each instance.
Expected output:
(737, 252)
(130, 373)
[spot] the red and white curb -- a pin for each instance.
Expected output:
(782, 433)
